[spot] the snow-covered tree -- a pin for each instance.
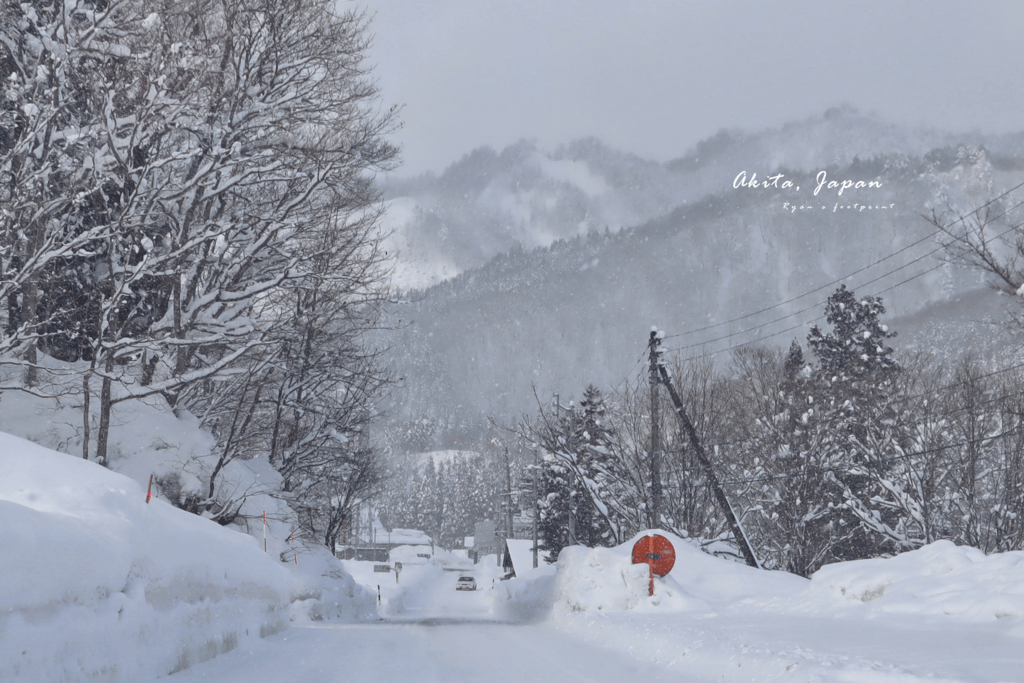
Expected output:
(63, 71)
(859, 433)
(188, 204)
(582, 482)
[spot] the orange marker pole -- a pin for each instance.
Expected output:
(650, 563)
(149, 491)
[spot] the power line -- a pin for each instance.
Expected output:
(903, 456)
(858, 271)
(880, 461)
(822, 317)
(934, 391)
(897, 400)
(640, 358)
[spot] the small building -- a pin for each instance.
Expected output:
(485, 542)
(517, 556)
(362, 553)
(397, 537)
(380, 546)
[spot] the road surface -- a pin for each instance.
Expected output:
(424, 652)
(438, 635)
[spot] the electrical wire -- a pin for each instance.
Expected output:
(837, 281)
(822, 317)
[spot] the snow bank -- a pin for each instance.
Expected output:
(410, 554)
(525, 599)
(941, 613)
(938, 579)
(98, 585)
(146, 438)
(606, 580)
(323, 591)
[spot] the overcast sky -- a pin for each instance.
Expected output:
(655, 76)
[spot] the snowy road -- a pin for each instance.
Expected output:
(453, 649)
(433, 650)
(436, 634)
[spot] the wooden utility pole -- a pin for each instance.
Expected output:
(536, 505)
(709, 472)
(655, 456)
(509, 518)
(571, 446)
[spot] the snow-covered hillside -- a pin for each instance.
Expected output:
(98, 584)
(721, 271)
(522, 197)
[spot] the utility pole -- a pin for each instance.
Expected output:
(509, 519)
(572, 518)
(656, 492)
(572, 491)
(536, 504)
(709, 471)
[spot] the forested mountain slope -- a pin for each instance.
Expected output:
(553, 319)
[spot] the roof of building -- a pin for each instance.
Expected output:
(407, 537)
(521, 552)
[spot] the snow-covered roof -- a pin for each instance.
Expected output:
(406, 537)
(521, 551)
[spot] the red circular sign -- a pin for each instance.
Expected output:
(657, 552)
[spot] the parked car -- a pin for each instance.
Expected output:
(465, 583)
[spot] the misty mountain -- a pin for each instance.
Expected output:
(490, 202)
(553, 318)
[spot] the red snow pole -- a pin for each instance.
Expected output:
(264, 531)
(149, 491)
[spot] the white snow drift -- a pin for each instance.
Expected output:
(938, 579)
(99, 585)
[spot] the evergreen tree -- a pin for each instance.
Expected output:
(596, 462)
(558, 495)
(857, 435)
(805, 516)
(578, 477)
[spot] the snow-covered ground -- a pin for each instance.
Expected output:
(99, 585)
(879, 621)
(942, 613)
